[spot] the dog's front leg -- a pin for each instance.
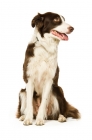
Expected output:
(29, 107)
(45, 97)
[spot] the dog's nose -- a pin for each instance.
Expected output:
(70, 28)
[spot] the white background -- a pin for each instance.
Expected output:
(74, 58)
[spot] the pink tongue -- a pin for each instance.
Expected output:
(60, 35)
(64, 37)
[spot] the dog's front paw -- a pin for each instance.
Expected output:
(22, 118)
(27, 122)
(61, 118)
(39, 122)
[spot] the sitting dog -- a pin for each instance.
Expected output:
(43, 98)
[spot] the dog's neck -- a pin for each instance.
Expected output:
(47, 42)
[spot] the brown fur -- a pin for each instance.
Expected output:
(18, 114)
(29, 53)
(45, 22)
(65, 108)
(36, 104)
(55, 79)
(72, 112)
(41, 22)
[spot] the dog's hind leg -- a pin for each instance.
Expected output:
(61, 118)
(22, 103)
(66, 109)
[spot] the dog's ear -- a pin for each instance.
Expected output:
(38, 21)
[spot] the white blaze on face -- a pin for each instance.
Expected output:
(63, 28)
(60, 32)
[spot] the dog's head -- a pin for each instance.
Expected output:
(52, 23)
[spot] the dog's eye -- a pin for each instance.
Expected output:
(57, 19)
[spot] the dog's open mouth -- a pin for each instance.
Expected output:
(62, 36)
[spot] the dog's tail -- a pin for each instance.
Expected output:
(65, 108)
(71, 111)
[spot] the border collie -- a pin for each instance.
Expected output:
(43, 98)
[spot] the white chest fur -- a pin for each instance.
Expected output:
(40, 71)
(41, 67)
